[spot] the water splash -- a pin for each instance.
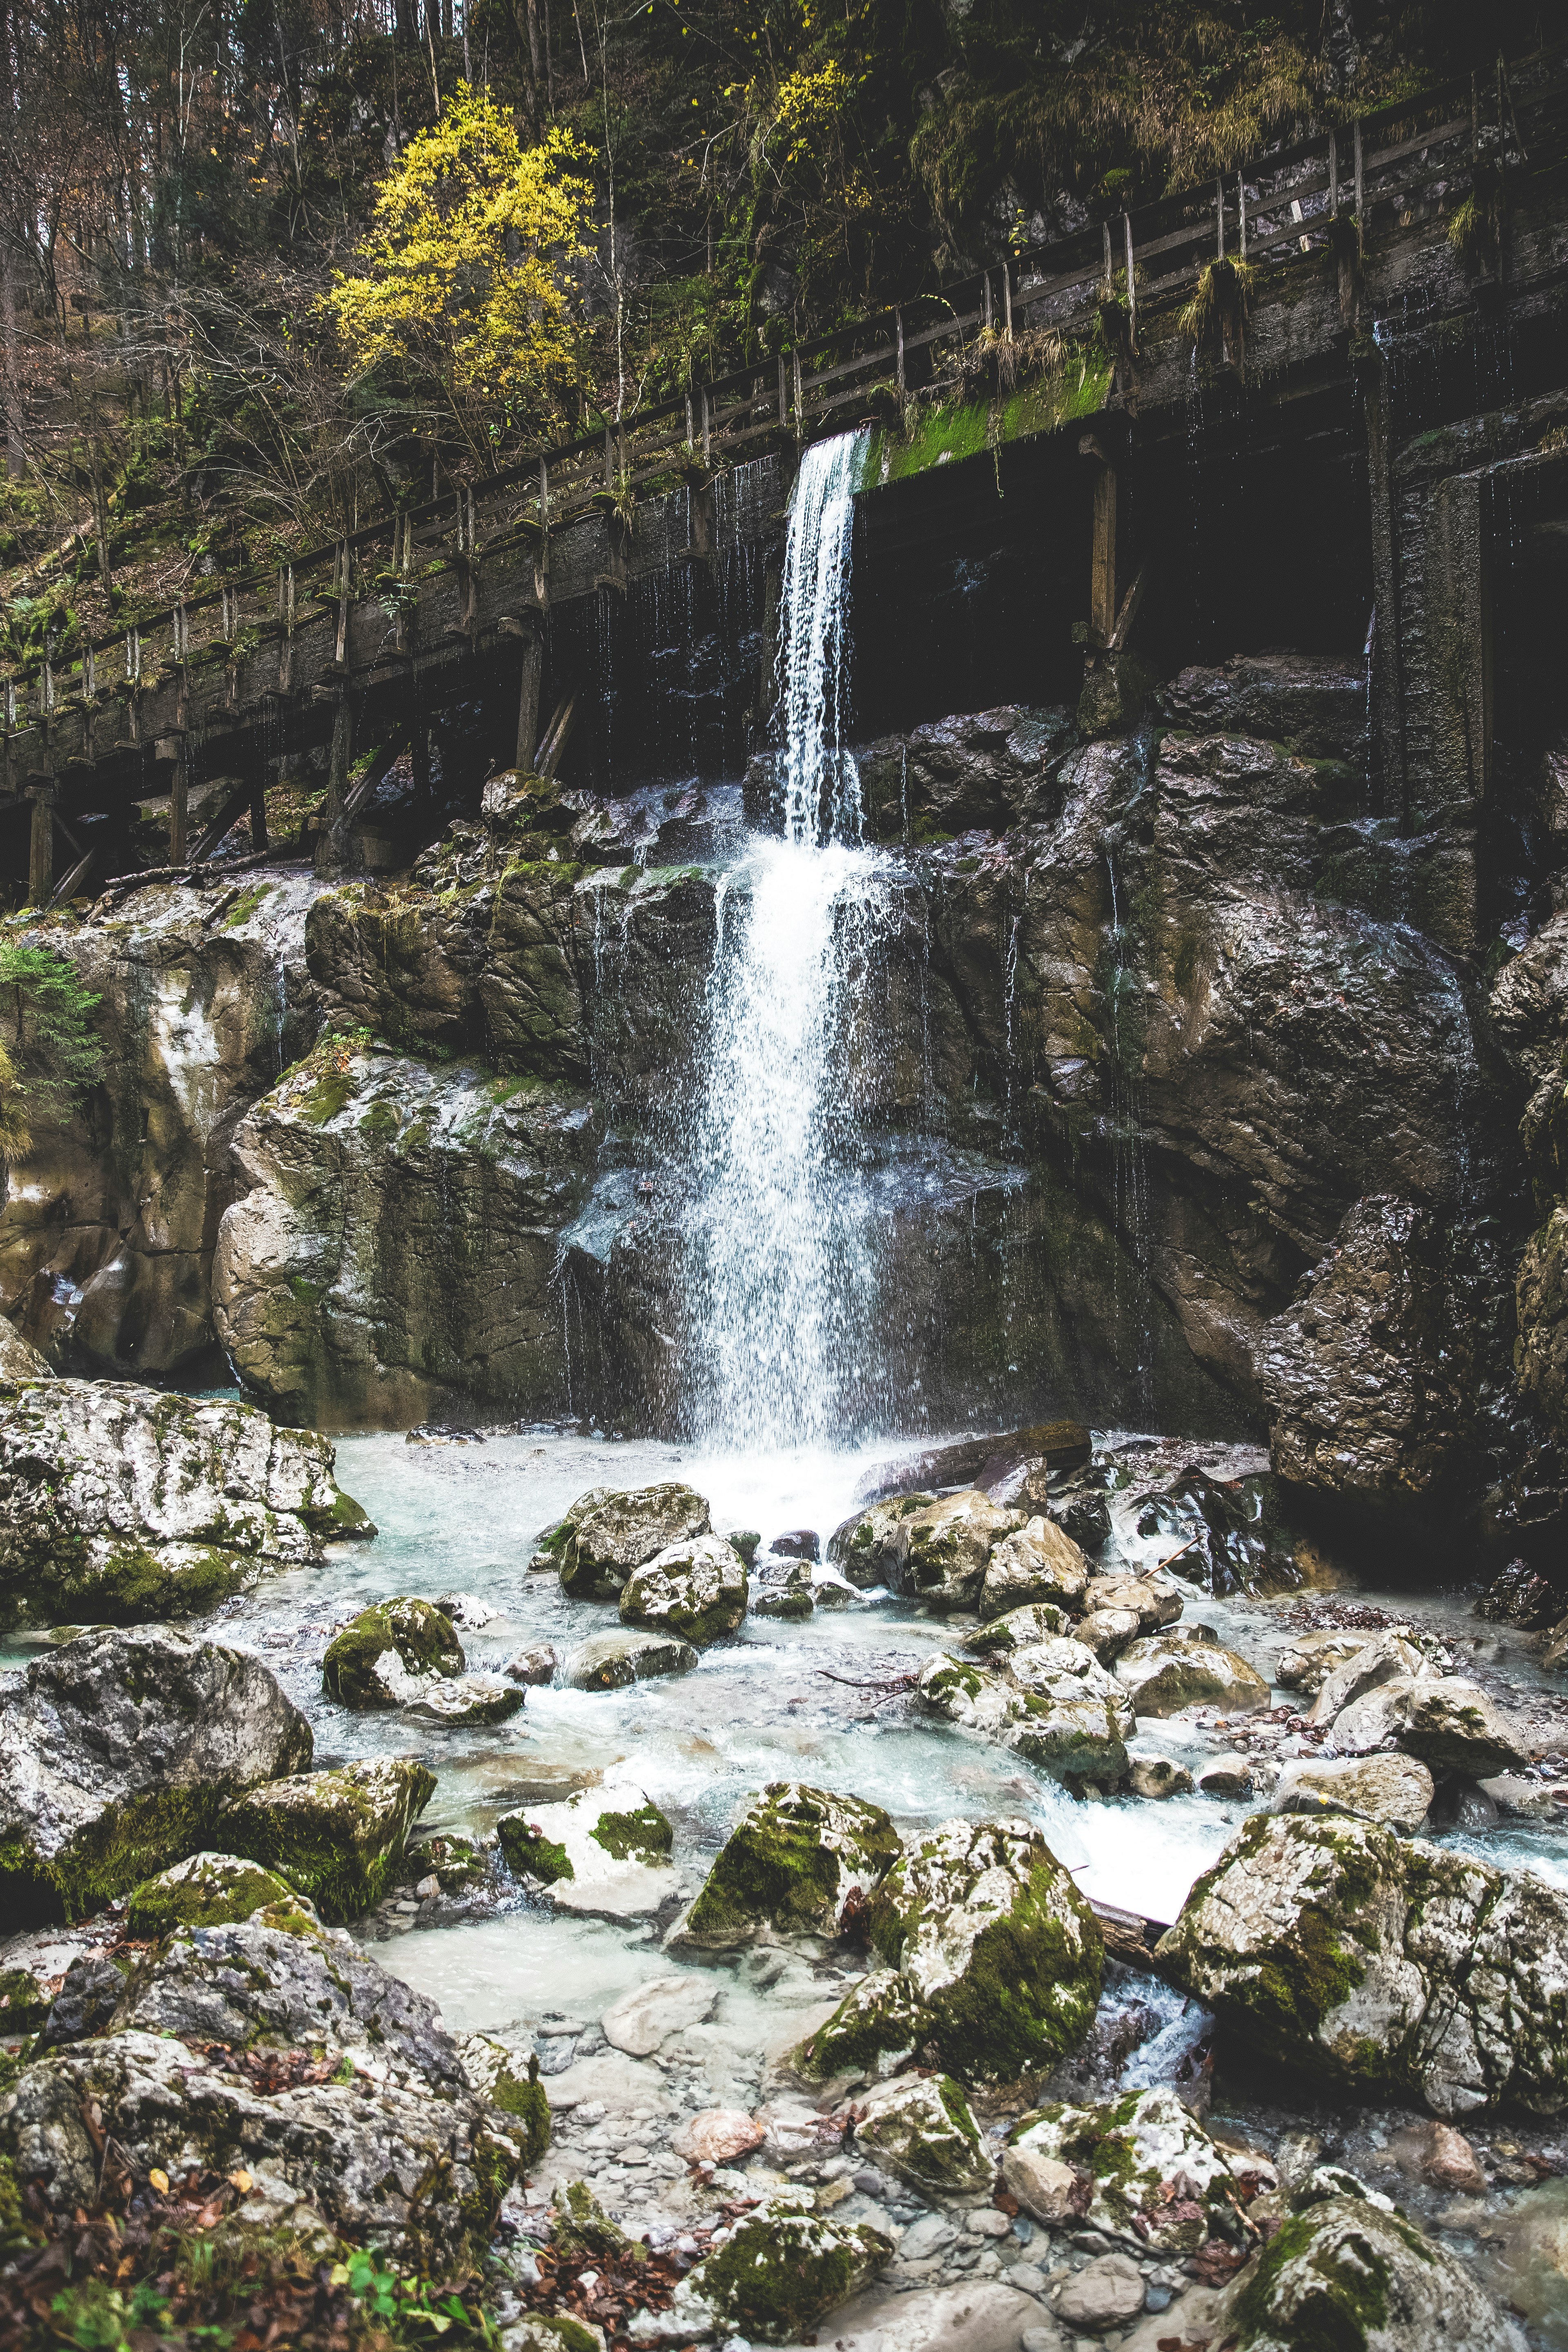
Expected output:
(782, 1238)
(820, 782)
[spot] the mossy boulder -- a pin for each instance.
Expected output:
(122, 1503)
(696, 1590)
(1038, 1621)
(580, 2224)
(800, 1862)
(622, 1531)
(868, 1548)
(1039, 1562)
(390, 1653)
(1187, 1665)
(996, 1942)
(206, 1890)
(120, 1753)
(337, 1836)
(604, 1852)
(1148, 2171)
(1075, 1732)
(497, 2075)
(947, 1547)
(920, 2128)
(630, 1654)
(786, 2267)
(1346, 2275)
(350, 2090)
(1396, 1790)
(1381, 1964)
(876, 2029)
(1444, 1722)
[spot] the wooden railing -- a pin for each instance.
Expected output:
(1284, 204)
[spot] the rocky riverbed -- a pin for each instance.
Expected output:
(798, 1955)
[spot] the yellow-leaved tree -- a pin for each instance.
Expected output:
(466, 281)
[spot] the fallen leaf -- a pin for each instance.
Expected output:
(159, 2181)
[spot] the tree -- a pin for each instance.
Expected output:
(50, 1055)
(466, 280)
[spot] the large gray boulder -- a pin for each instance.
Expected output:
(920, 2128)
(390, 1653)
(696, 1590)
(1187, 1665)
(119, 1503)
(996, 1943)
(293, 2058)
(1040, 1562)
(1346, 2273)
(784, 2268)
(602, 1853)
(1449, 1724)
(799, 1862)
(1073, 1730)
(120, 1753)
(1385, 1964)
(946, 1548)
(1393, 1788)
(338, 1836)
(622, 1531)
(868, 1548)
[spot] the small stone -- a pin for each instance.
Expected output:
(1042, 2186)
(717, 2136)
(534, 1663)
(642, 2021)
(799, 1543)
(1227, 1776)
(1440, 2156)
(429, 1887)
(615, 1661)
(1104, 2293)
(1029, 2279)
(986, 2222)
(1156, 1776)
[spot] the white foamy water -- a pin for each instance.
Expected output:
(783, 1309)
(821, 786)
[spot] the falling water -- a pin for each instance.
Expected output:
(782, 1264)
(821, 785)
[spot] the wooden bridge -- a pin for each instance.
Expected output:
(359, 639)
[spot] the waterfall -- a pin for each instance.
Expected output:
(821, 785)
(781, 1308)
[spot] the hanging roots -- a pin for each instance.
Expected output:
(1223, 299)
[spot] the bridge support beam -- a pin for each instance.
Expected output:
(529, 627)
(331, 845)
(41, 847)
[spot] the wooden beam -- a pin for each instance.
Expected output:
(556, 736)
(179, 807)
(1129, 613)
(330, 848)
(230, 807)
(530, 678)
(41, 849)
(75, 880)
(1102, 556)
(390, 751)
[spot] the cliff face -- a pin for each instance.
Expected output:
(1161, 1110)
(107, 1232)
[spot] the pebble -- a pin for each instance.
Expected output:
(986, 2222)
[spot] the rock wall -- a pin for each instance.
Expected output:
(108, 1231)
(1172, 1117)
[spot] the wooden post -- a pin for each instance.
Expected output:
(1241, 211)
(41, 847)
(899, 318)
(1219, 213)
(179, 805)
(1361, 225)
(784, 396)
(1102, 554)
(1109, 274)
(609, 462)
(1007, 299)
(340, 654)
(1131, 284)
(528, 696)
(1333, 175)
(258, 809)
(690, 425)
(799, 396)
(331, 847)
(707, 427)
(987, 316)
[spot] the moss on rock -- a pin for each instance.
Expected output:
(784, 2268)
(697, 1589)
(798, 1858)
(389, 1652)
(876, 2029)
(206, 1890)
(997, 1941)
(920, 2128)
(339, 1836)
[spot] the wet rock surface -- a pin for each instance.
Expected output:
(125, 1503)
